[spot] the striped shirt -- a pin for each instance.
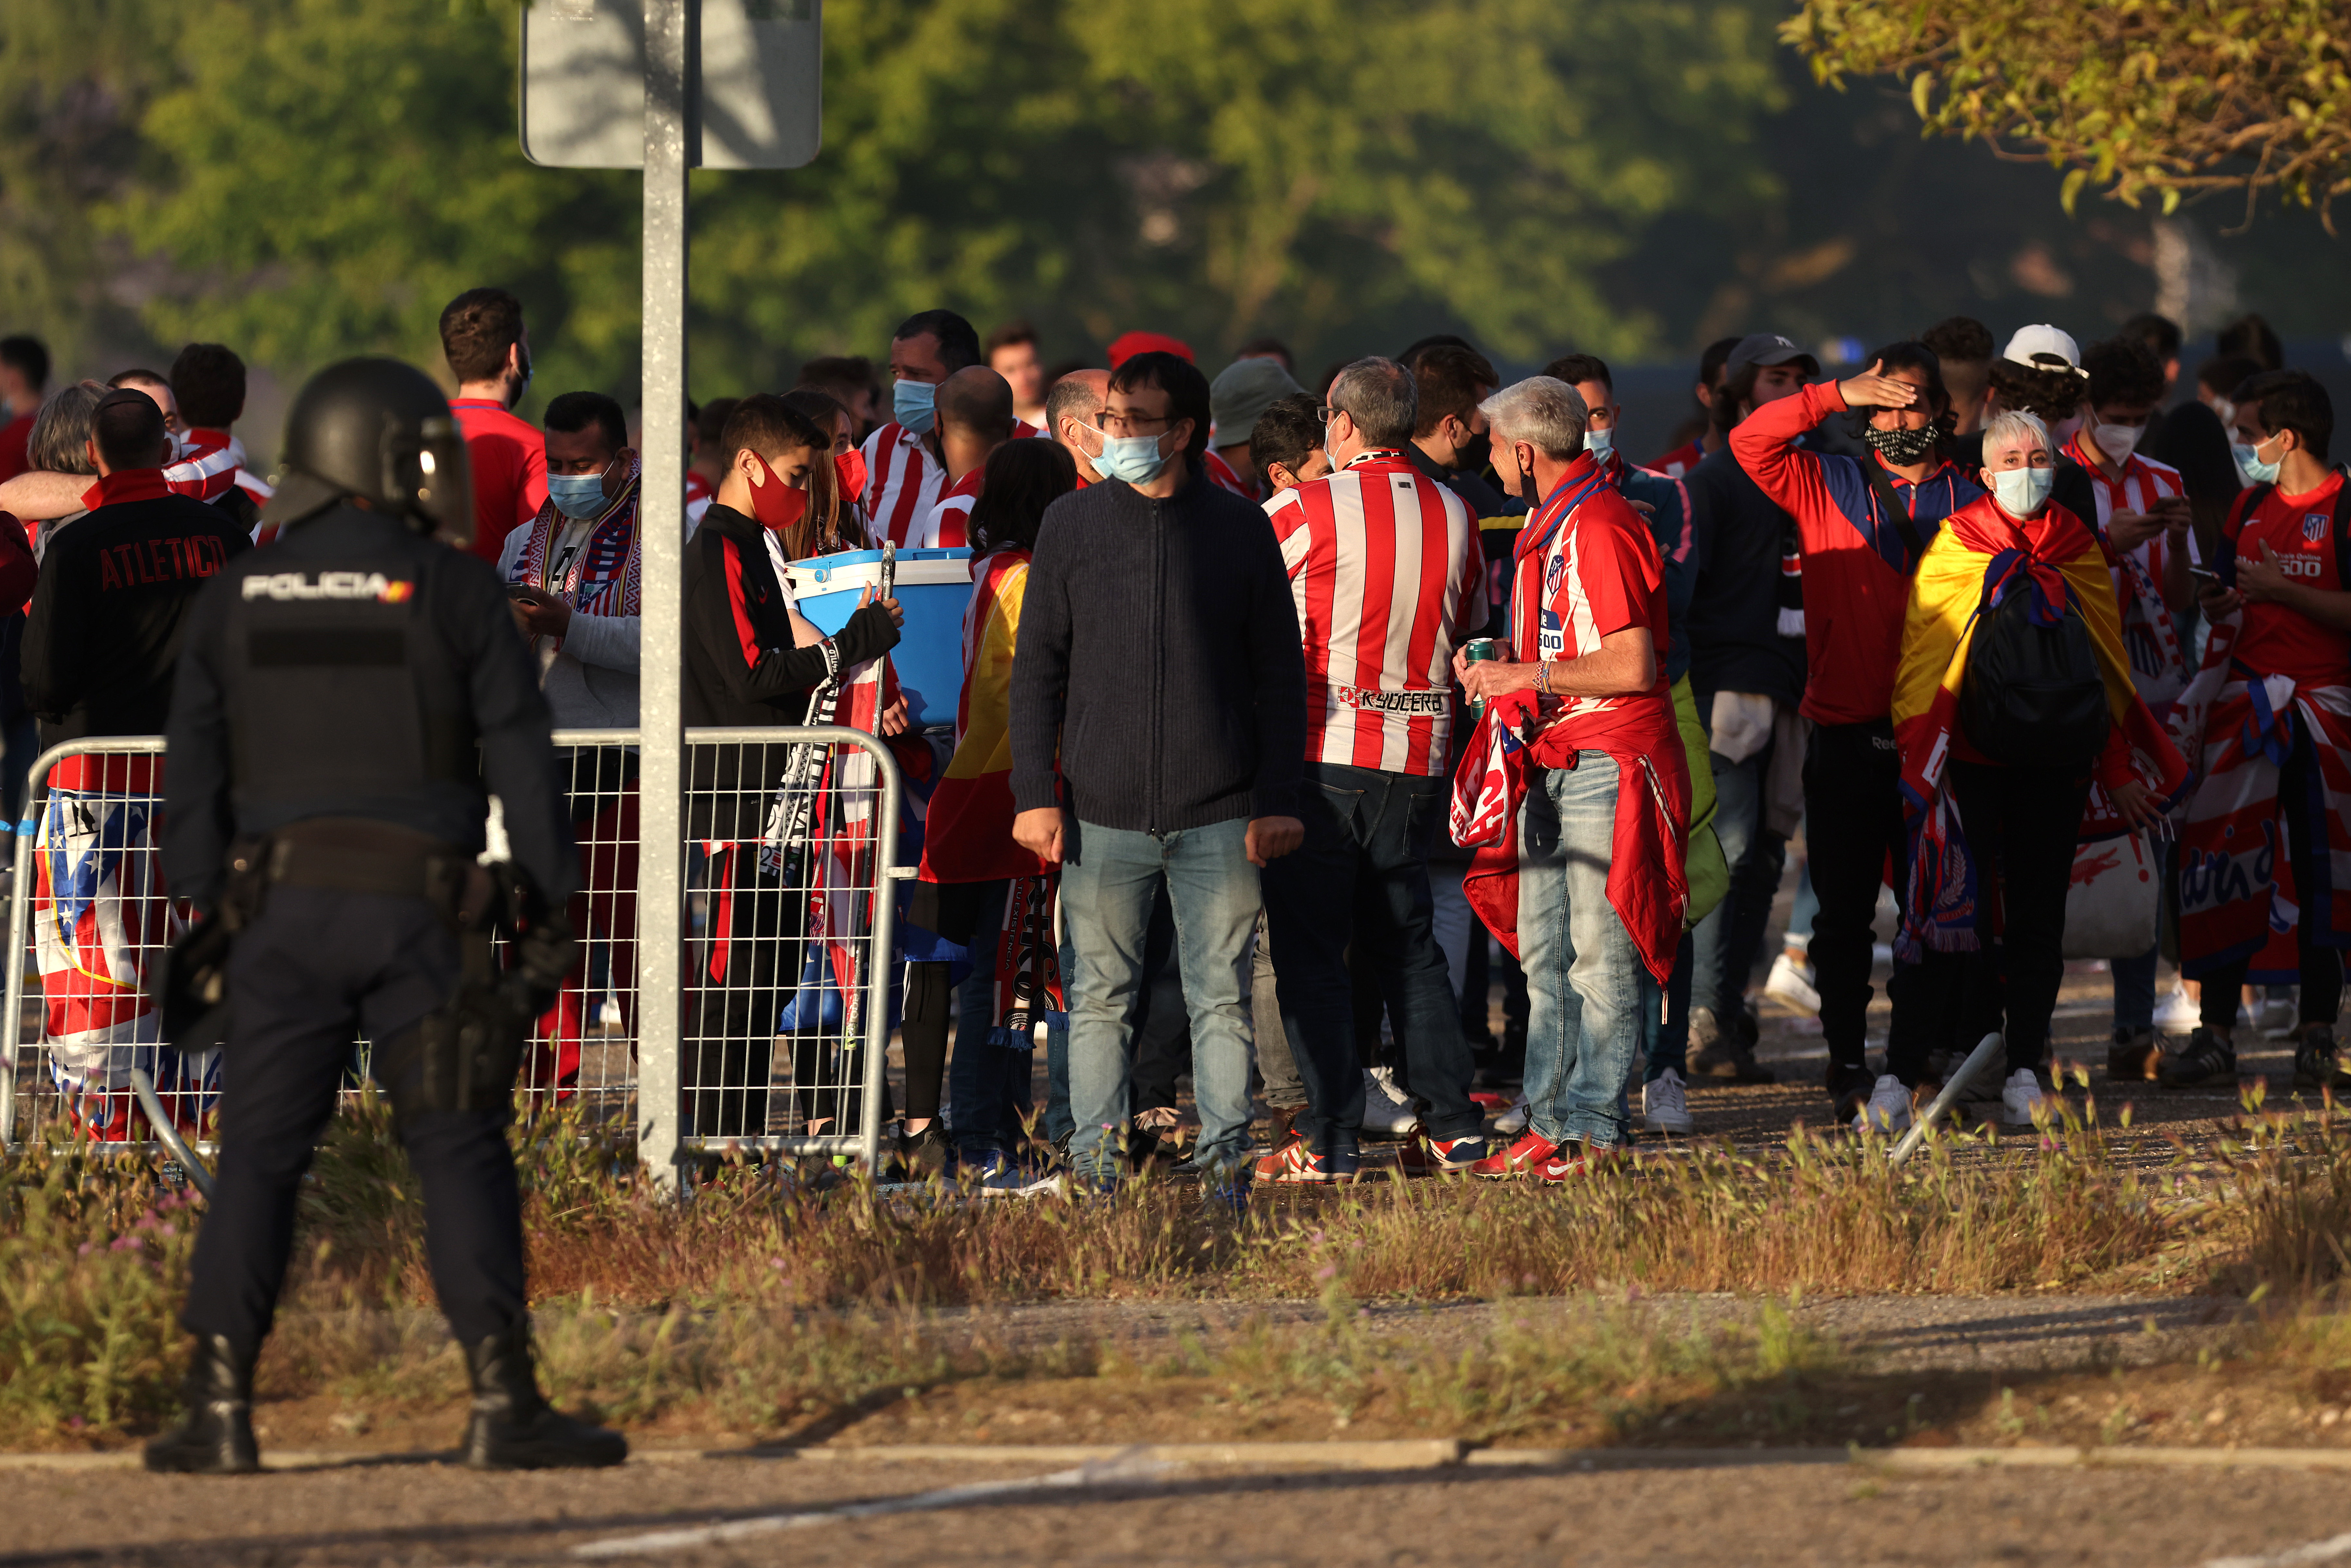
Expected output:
(1587, 567)
(903, 483)
(1387, 570)
(698, 496)
(2159, 658)
(948, 526)
(1227, 477)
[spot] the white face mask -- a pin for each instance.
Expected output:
(2021, 492)
(2117, 441)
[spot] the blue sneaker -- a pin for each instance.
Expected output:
(998, 1175)
(1223, 1183)
(1298, 1162)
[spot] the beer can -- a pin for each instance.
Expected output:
(1475, 650)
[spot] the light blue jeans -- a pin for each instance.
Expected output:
(1584, 975)
(1108, 883)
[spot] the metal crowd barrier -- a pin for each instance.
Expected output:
(776, 1043)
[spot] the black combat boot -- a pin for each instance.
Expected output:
(513, 1428)
(216, 1437)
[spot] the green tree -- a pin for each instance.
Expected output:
(2173, 100)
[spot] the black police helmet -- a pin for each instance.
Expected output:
(376, 430)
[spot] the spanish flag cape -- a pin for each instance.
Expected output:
(1979, 557)
(969, 837)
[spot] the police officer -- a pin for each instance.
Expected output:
(345, 697)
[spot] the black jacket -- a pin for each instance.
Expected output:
(107, 617)
(742, 671)
(355, 668)
(1160, 655)
(1734, 615)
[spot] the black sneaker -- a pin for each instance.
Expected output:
(1849, 1088)
(2134, 1055)
(2315, 1065)
(2208, 1056)
(923, 1155)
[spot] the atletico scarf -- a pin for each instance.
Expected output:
(2239, 900)
(1979, 557)
(606, 576)
(1028, 970)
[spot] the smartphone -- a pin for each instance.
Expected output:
(2205, 576)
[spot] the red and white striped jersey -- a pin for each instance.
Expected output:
(1224, 477)
(948, 526)
(699, 494)
(210, 462)
(1388, 572)
(2143, 482)
(903, 483)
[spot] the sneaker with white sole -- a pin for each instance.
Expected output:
(2020, 1096)
(1665, 1106)
(2179, 1013)
(1386, 1113)
(1513, 1121)
(2280, 1012)
(1791, 982)
(1888, 1109)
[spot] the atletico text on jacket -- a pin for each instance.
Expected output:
(286, 585)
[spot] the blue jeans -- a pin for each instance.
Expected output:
(1108, 884)
(1366, 854)
(1584, 975)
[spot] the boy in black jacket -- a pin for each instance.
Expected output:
(751, 660)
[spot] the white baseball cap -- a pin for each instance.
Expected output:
(2044, 348)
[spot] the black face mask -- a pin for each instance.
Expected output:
(1474, 457)
(1902, 448)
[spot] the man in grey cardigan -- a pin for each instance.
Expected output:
(1158, 728)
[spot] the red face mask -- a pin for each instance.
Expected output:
(851, 467)
(775, 504)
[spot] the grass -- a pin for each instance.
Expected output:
(761, 1305)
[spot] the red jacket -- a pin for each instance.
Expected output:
(1857, 566)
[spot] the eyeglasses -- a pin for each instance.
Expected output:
(1114, 423)
(1324, 412)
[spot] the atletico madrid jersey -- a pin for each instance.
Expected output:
(2306, 534)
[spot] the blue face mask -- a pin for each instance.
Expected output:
(2249, 465)
(1133, 459)
(2022, 491)
(911, 404)
(579, 495)
(1600, 442)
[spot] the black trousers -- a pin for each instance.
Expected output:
(752, 953)
(314, 970)
(1162, 1023)
(2020, 825)
(1853, 831)
(2303, 802)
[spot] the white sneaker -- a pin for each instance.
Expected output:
(2019, 1097)
(1791, 983)
(2179, 1013)
(1385, 1110)
(1888, 1109)
(1663, 1106)
(1513, 1121)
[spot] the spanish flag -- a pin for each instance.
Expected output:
(1978, 558)
(970, 836)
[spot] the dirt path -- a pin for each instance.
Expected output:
(1714, 1517)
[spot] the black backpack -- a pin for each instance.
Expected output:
(2033, 696)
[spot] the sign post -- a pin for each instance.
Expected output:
(667, 86)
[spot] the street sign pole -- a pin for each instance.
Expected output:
(661, 836)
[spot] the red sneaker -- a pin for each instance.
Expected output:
(1297, 1162)
(1425, 1156)
(1521, 1158)
(1269, 1167)
(1573, 1160)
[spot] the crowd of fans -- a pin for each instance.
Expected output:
(1279, 702)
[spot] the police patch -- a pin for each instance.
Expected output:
(2315, 526)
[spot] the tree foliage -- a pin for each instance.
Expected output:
(307, 178)
(2173, 100)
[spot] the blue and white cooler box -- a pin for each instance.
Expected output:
(933, 587)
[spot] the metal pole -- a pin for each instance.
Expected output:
(661, 853)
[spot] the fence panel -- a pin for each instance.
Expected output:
(787, 1001)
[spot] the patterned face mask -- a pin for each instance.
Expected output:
(1902, 448)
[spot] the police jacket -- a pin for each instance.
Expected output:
(742, 670)
(357, 669)
(109, 612)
